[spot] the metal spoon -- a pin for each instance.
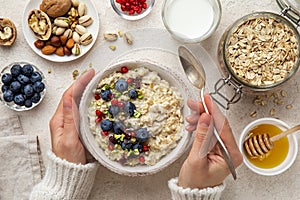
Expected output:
(196, 75)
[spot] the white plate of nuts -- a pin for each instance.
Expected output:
(60, 30)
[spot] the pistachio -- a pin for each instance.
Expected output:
(68, 33)
(76, 37)
(80, 29)
(62, 22)
(59, 31)
(110, 37)
(128, 38)
(76, 49)
(75, 3)
(85, 20)
(86, 39)
(112, 47)
(82, 10)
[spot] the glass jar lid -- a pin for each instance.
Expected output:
(291, 9)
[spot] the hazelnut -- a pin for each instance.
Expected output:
(63, 40)
(39, 44)
(67, 51)
(55, 41)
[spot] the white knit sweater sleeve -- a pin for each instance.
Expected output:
(65, 180)
(180, 193)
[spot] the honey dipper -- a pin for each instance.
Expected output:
(259, 145)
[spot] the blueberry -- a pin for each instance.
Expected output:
(106, 95)
(35, 76)
(38, 86)
(15, 70)
(121, 85)
(19, 99)
(142, 134)
(4, 88)
(23, 79)
(106, 125)
(126, 145)
(8, 96)
(132, 93)
(129, 108)
(15, 86)
(28, 103)
(118, 127)
(28, 90)
(113, 110)
(6, 79)
(27, 70)
(35, 98)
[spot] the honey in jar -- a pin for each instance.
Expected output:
(277, 154)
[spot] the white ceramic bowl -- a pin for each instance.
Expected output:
(168, 74)
(292, 152)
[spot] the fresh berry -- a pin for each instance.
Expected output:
(6, 79)
(106, 95)
(99, 113)
(142, 134)
(104, 133)
(97, 96)
(145, 148)
(132, 93)
(129, 108)
(15, 86)
(35, 76)
(113, 110)
(106, 125)
(16, 70)
(118, 127)
(35, 98)
(121, 85)
(23, 79)
(124, 69)
(28, 103)
(4, 88)
(38, 86)
(27, 70)
(28, 90)
(19, 99)
(8, 96)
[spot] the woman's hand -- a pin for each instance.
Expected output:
(64, 124)
(210, 170)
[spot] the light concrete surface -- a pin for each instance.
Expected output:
(109, 185)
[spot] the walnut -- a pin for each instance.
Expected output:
(56, 8)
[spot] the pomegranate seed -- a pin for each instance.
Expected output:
(114, 102)
(130, 80)
(111, 147)
(118, 1)
(139, 11)
(132, 6)
(120, 104)
(145, 6)
(142, 159)
(145, 148)
(98, 120)
(110, 96)
(124, 69)
(131, 12)
(142, 1)
(99, 113)
(105, 133)
(97, 96)
(123, 8)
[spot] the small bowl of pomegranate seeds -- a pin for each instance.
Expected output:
(132, 9)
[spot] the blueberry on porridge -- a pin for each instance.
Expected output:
(136, 116)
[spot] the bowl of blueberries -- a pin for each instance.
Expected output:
(22, 86)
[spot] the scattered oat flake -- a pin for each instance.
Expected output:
(283, 93)
(272, 112)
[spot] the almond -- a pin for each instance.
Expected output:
(60, 51)
(63, 40)
(47, 50)
(70, 43)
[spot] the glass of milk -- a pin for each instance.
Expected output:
(191, 21)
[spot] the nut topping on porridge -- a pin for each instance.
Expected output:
(135, 116)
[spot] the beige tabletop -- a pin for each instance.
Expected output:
(109, 185)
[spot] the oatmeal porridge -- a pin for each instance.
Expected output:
(136, 116)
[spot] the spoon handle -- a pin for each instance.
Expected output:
(285, 133)
(222, 146)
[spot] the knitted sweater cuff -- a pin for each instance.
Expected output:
(180, 193)
(65, 180)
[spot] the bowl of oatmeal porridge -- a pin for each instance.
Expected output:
(132, 117)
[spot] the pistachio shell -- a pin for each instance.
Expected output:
(59, 31)
(82, 10)
(76, 37)
(85, 20)
(86, 39)
(75, 3)
(80, 29)
(76, 49)
(68, 33)
(62, 22)
(40, 24)
(110, 36)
